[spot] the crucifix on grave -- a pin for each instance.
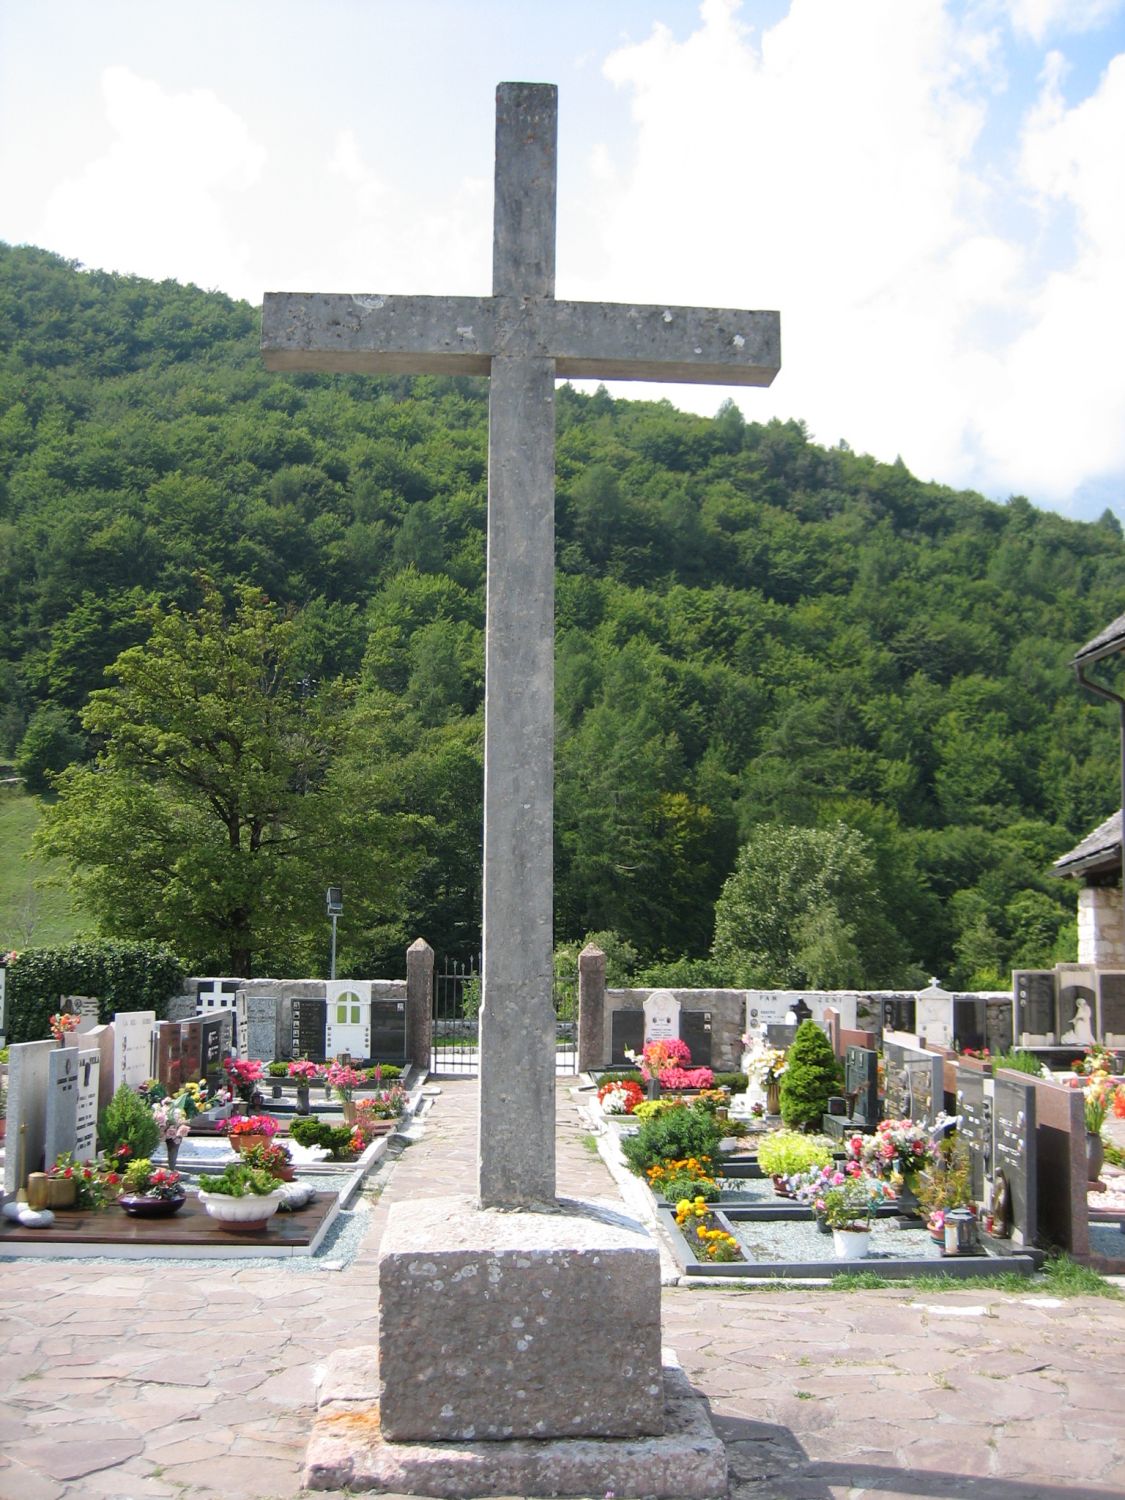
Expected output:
(523, 339)
(541, 1292)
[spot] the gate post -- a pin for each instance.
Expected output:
(591, 1009)
(419, 1003)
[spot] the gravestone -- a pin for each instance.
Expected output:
(61, 1117)
(3, 1003)
(388, 1030)
(970, 1023)
(191, 1051)
(212, 1052)
(861, 1085)
(1077, 998)
(898, 1013)
(100, 1040)
(1014, 1152)
(781, 1035)
(308, 1021)
(132, 1047)
(169, 1066)
(662, 1016)
(626, 1034)
(348, 1025)
(1111, 1008)
(975, 1108)
(85, 1007)
(602, 1279)
(925, 1097)
(28, 1084)
(219, 995)
(259, 1025)
(695, 1033)
(89, 1104)
(1036, 1007)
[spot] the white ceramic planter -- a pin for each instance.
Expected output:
(241, 1215)
(851, 1244)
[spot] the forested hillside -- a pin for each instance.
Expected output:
(752, 630)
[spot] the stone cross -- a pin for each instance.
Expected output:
(524, 339)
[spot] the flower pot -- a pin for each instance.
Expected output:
(242, 1143)
(822, 1224)
(773, 1098)
(348, 1106)
(171, 1151)
(246, 1215)
(851, 1244)
(62, 1192)
(1095, 1155)
(302, 1099)
(140, 1207)
(781, 1186)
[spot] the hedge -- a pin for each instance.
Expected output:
(124, 976)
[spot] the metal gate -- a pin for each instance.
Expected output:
(456, 1033)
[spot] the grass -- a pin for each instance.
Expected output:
(1060, 1277)
(32, 914)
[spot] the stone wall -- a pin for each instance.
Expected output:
(1101, 926)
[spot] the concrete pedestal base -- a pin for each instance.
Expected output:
(507, 1324)
(347, 1450)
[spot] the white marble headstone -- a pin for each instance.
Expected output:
(86, 1114)
(132, 1047)
(62, 1103)
(28, 1081)
(662, 1017)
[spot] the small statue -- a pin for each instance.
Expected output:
(1001, 1207)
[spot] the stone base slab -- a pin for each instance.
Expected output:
(499, 1324)
(347, 1451)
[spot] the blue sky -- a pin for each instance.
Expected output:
(932, 192)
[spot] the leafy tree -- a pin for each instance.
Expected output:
(212, 817)
(50, 742)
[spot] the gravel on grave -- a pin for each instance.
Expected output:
(800, 1240)
(1108, 1240)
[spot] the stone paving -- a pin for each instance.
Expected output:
(140, 1380)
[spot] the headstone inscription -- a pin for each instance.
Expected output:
(60, 1125)
(85, 1007)
(308, 1020)
(1036, 1007)
(89, 1096)
(861, 1085)
(211, 1052)
(28, 1083)
(975, 1109)
(899, 1012)
(523, 339)
(1014, 1152)
(1111, 1008)
(662, 1016)
(132, 1047)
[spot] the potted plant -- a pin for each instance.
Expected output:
(785, 1152)
(343, 1081)
(1099, 1097)
(847, 1212)
(244, 1076)
(765, 1066)
(899, 1149)
(150, 1192)
(88, 1184)
(245, 1131)
(126, 1128)
(271, 1157)
(306, 1073)
(62, 1023)
(172, 1123)
(242, 1199)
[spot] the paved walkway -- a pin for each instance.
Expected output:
(141, 1380)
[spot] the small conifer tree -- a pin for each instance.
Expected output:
(811, 1075)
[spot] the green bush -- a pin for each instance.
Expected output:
(672, 1135)
(786, 1151)
(687, 1186)
(277, 1069)
(239, 1181)
(123, 975)
(127, 1121)
(336, 1139)
(1022, 1062)
(621, 1075)
(811, 1075)
(738, 1083)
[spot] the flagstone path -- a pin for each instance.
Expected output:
(138, 1380)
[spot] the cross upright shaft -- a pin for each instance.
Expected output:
(524, 339)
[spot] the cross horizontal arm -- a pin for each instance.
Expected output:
(382, 335)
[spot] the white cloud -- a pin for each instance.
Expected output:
(157, 202)
(829, 169)
(1038, 19)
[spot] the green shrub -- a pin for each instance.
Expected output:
(738, 1083)
(786, 1151)
(1022, 1062)
(673, 1135)
(127, 1121)
(277, 1069)
(386, 1072)
(123, 975)
(811, 1075)
(336, 1139)
(687, 1186)
(239, 1181)
(621, 1075)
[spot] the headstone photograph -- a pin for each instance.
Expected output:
(1014, 1154)
(975, 1109)
(308, 1021)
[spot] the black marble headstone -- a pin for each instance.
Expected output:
(861, 1084)
(191, 1046)
(1014, 1153)
(169, 1056)
(976, 1126)
(310, 1018)
(780, 1035)
(211, 1051)
(626, 1034)
(899, 1013)
(388, 1030)
(1035, 1002)
(695, 1031)
(970, 1027)
(1111, 1008)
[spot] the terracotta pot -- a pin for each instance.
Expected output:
(780, 1186)
(242, 1143)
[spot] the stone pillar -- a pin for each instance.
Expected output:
(1101, 926)
(591, 1009)
(419, 1003)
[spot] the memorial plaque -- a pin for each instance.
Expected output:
(1111, 1008)
(975, 1109)
(627, 1034)
(1077, 999)
(695, 1031)
(896, 1086)
(388, 1030)
(899, 1013)
(1036, 1007)
(925, 1096)
(169, 1072)
(132, 1047)
(970, 1025)
(211, 1052)
(259, 1017)
(662, 1016)
(861, 1084)
(100, 1039)
(191, 1050)
(781, 1036)
(86, 1115)
(765, 1008)
(60, 1123)
(308, 1023)
(1014, 1152)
